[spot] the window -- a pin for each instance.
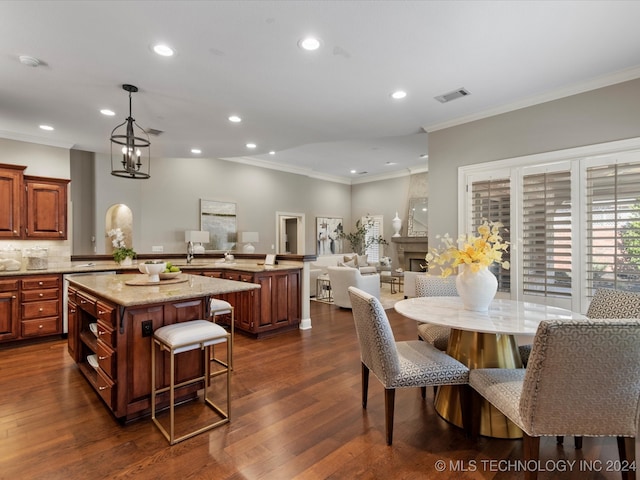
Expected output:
(491, 200)
(373, 249)
(546, 234)
(573, 217)
(613, 227)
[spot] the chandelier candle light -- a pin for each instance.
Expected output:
(135, 149)
(476, 285)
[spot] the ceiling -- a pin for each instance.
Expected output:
(324, 112)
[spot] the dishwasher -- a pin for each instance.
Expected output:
(65, 294)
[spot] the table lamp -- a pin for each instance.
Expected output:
(248, 238)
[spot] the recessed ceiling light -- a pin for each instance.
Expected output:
(398, 94)
(235, 119)
(391, 163)
(251, 145)
(48, 128)
(424, 155)
(309, 43)
(196, 151)
(107, 112)
(29, 61)
(353, 171)
(163, 50)
(272, 152)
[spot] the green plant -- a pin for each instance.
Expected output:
(120, 249)
(630, 237)
(360, 240)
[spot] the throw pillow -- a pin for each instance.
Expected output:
(362, 260)
(348, 258)
(351, 264)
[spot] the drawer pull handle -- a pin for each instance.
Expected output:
(102, 358)
(40, 326)
(100, 312)
(41, 295)
(40, 283)
(13, 296)
(83, 301)
(100, 332)
(41, 309)
(102, 388)
(72, 311)
(60, 232)
(15, 232)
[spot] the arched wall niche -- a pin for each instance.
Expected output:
(119, 216)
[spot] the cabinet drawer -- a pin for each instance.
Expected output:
(34, 295)
(71, 295)
(86, 303)
(41, 282)
(41, 326)
(106, 359)
(106, 333)
(106, 389)
(46, 308)
(239, 277)
(105, 313)
(8, 285)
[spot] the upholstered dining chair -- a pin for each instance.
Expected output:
(397, 364)
(583, 379)
(610, 303)
(435, 286)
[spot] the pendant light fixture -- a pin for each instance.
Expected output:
(130, 152)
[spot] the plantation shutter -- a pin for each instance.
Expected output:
(491, 200)
(546, 234)
(613, 227)
(373, 251)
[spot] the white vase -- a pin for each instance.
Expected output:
(476, 289)
(128, 261)
(396, 223)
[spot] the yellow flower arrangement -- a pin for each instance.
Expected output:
(475, 251)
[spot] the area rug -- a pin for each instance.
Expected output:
(387, 299)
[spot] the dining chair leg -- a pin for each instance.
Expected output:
(423, 392)
(627, 452)
(365, 384)
(389, 405)
(531, 450)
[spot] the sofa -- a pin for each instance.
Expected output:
(342, 278)
(320, 265)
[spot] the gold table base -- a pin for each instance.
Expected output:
(480, 350)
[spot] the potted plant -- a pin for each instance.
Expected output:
(359, 239)
(121, 253)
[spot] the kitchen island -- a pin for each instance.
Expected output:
(111, 323)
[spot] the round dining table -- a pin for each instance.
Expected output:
(481, 340)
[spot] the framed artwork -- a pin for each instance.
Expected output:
(219, 219)
(328, 230)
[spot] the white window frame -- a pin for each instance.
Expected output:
(578, 159)
(377, 219)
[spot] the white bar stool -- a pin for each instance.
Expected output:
(217, 308)
(183, 337)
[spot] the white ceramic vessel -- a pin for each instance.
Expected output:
(153, 270)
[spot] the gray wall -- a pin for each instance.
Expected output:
(602, 115)
(83, 202)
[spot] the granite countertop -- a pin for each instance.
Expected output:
(114, 288)
(107, 265)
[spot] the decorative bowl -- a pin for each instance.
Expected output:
(153, 269)
(169, 275)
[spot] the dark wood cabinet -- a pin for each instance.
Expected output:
(30, 306)
(11, 200)
(9, 312)
(32, 207)
(272, 308)
(46, 208)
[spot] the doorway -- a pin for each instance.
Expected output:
(290, 233)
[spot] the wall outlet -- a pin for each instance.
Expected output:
(157, 248)
(147, 328)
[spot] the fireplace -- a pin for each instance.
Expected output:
(411, 252)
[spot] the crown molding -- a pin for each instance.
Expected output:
(20, 137)
(592, 84)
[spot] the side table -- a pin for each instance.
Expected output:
(323, 288)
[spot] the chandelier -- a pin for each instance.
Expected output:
(130, 152)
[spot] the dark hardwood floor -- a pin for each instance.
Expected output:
(296, 413)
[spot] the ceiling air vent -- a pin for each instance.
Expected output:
(364, 172)
(447, 97)
(154, 132)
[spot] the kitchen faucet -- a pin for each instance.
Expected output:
(189, 252)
